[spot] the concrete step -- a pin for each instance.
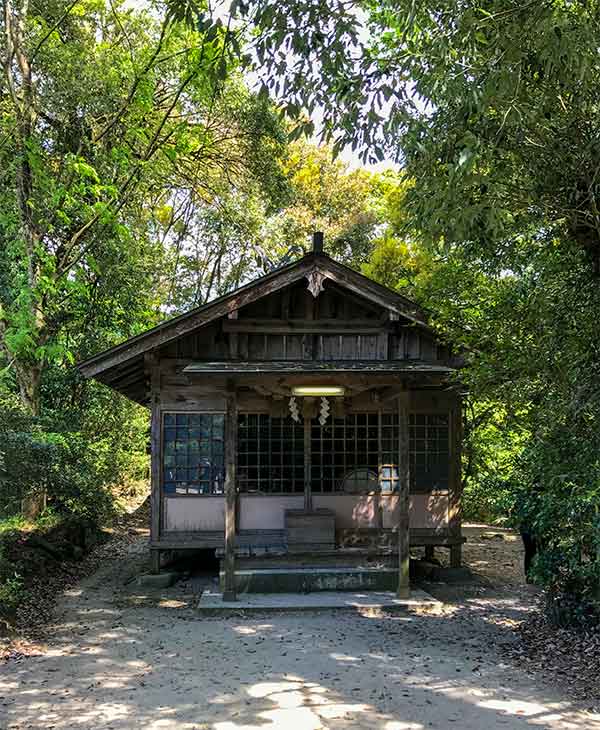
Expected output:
(359, 559)
(370, 603)
(313, 579)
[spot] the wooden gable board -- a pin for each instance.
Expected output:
(223, 306)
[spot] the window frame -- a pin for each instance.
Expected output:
(241, 484)
(414, 486)
(350, 434)
(417, 487)
(172, 412)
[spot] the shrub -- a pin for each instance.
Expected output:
(75, 457)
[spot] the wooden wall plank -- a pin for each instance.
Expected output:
(307, 466)
(300, 326)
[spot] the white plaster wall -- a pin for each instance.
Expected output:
(266, 512)
(427, 511)
(194, 513)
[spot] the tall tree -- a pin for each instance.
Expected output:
(327, 196)
(247, 234)
(107, 114)
(492, 107)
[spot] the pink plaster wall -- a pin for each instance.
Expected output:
(372, 510)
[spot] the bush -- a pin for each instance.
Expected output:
(487, 499)
(559, 498)
(11, 581)
(75, 457)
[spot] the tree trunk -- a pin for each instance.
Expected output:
(19, 82)
(29, 379)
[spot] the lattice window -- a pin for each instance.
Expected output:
(345, 454)
(193, 453)
(390, 444)
(270, 454)
(429, 451)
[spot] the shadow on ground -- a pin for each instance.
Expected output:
(122, 658)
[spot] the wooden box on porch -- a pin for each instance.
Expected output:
(309, 530)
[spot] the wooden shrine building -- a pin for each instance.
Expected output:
(307, 417)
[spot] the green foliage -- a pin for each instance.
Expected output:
(526, 326)
(135, 134)
(75, 456)
(328, 197)
(247, 234)
(12, 524)
(11, 580)
(129, 113)
(11, 587)
(493, 108)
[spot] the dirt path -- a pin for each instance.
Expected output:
(120, 658)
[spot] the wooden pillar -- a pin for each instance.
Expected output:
(152, 369)
(155, 561)
(455, 491)
(403, 498)
(308, 409)
(231, 420)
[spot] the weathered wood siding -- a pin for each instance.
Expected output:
(293, 325)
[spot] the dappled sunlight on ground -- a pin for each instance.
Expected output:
(249, 630)
(296, 672)
(114, 663)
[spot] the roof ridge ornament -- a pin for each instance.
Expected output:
(315, 279)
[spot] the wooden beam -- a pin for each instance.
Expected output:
(285, 304)
(174, 328)
(373, 292)
(350, 296)
(346, 279)
(232, 335)
(125, 382)
(301, 326)
(383, 341)
(154, 561)
(229, 593)
(391, 392)
(118, 374)
(403, 498)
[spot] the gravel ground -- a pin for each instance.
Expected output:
(117, 657)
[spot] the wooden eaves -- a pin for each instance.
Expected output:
(314, 366)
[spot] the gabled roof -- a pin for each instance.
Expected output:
(123, 356)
